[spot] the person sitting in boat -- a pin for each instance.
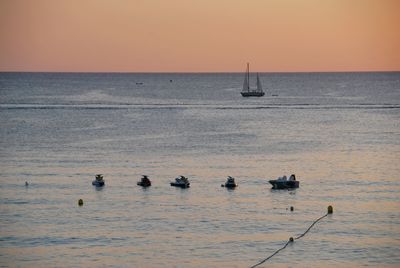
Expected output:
(292, 177)
(183, 179)
(284, 178)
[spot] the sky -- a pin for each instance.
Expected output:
(199, 35)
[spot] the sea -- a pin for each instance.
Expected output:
(339, 133)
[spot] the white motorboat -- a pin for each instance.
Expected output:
(284, 183)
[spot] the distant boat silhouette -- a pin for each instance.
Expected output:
(145, 181)
(99, 181)
(247, 92)
(181, 181)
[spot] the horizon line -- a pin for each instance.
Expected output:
(197, 72)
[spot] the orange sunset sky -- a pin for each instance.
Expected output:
(199, 35)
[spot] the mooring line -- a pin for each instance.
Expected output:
(309, 228)
(276, 252)
(291, 239)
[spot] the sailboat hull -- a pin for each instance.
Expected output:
(252, 94)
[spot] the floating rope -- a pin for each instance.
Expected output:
(291, 239)
(276, 252)
(309, 228)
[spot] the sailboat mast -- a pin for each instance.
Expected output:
(248, 78)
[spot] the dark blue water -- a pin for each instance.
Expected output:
(338, 132)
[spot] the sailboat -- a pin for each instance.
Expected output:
(247, 91)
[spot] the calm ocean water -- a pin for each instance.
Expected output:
(338, 132)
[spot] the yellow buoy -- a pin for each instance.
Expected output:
(80, 202)
(330, 209)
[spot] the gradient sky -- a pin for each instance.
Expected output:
(199, 35)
